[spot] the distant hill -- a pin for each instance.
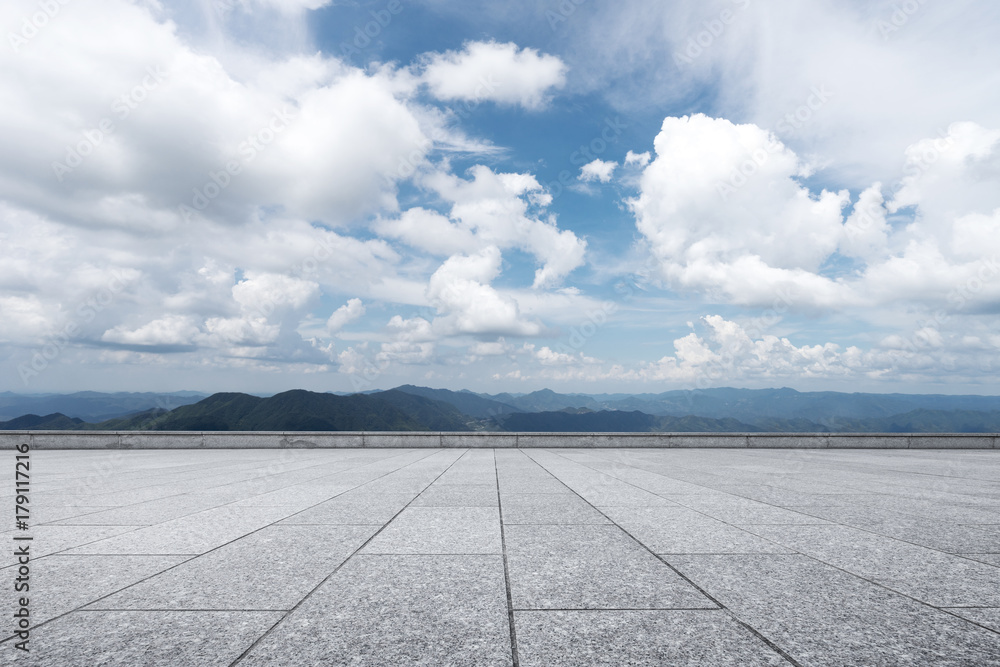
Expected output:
(924, 421)
(295, 410)
(54, 422)
(300, 410)
(546, 400)
(411, 408)
(466, 402)
(754, 406)
(622, 422)
(917, 421)
(92, 406)
(434, 415)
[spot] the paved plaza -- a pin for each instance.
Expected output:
(535, 557)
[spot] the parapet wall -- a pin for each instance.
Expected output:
(342, 439)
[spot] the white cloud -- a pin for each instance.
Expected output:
(729, 353)
(496, 348)
(290, 5)
(412, 330)
(169, 330)
(404, 352)
(598, 170)
(460, 291)
(490, 210)
(724, 214)
(246, 331)
(640, 159)
(428, 230)
(640, 54)
(354, 360)
(266, 292)
(500, 73)
(349, 312)
(163, 121)
(546, 356)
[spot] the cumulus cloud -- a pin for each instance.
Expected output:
(166, 125)
(598, 170)
(461, 292)
(501, 73)
(349, 312)
(495, 209)
(169, 330)
(640, 159)
(725, 213)
(730, 352)
(293, 5)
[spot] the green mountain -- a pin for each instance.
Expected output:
(296, 410)
(300, 410)
(92, 406)
(54, 422)
(411, 408)
(466, 402)
(607, 421)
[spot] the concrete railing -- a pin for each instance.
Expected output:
(368, 439)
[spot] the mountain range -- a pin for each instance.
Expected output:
(411, 408)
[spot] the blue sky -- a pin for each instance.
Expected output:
(642, 195)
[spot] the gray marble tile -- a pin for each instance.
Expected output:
(743, 511)
(50, 539)
(548, 508)
(440, 530)
(358, 508)
(992, 559)
(941, 535)
(515, 484)
(55, 514)
(823, 616)
(147, 638)
(299, 495)
(398, 610)
(937, 578)
(64, 583)
(676, 530)
(273, 568)
(458, 495)
(612, 492)
(192, 534)
(638, 639)
(988, 617)
(591, 567)
(145, 513)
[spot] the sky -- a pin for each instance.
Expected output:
(584, 195)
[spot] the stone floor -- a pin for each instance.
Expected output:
(509, 557)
